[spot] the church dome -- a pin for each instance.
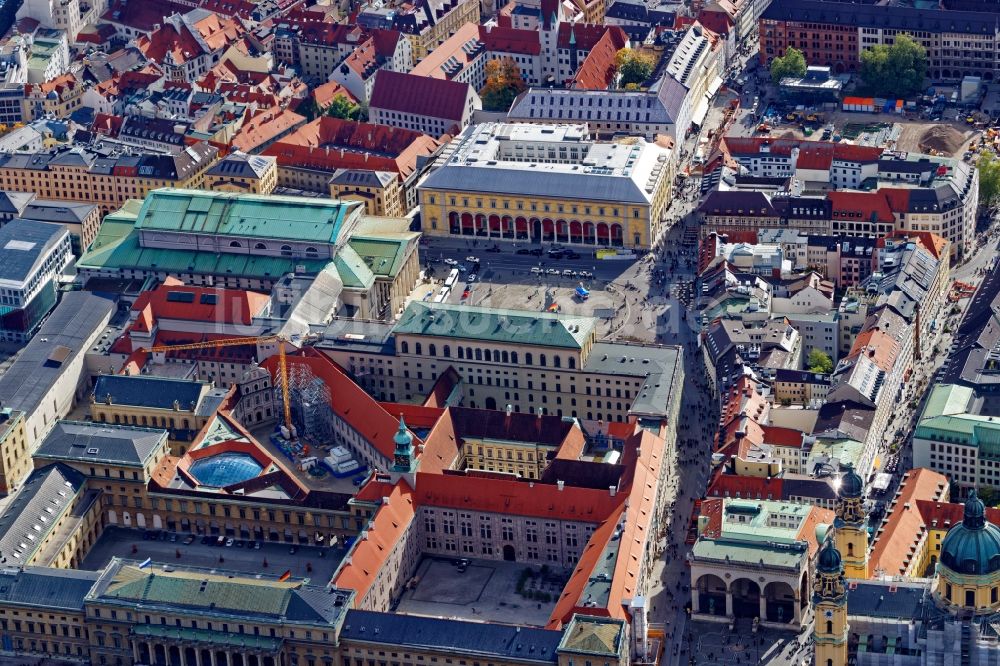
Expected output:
(851, 484)
(829, 558)
(972, 547)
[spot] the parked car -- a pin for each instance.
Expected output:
(205, 540)
(553, 271)
(536, 270)
(495, 249)
(239, 544)
(229, 542)
(189, 540)
(536, 252)
(450, 262)
(567, 272)
(586, 274)
(256, 545)
(472, 260)
(220, 541)
(173, 537)
(523, 250)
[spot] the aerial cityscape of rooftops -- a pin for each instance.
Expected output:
(482, 333)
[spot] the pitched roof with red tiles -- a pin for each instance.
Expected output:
(934, 244)
(877, 345)
(107, 124)
(168, 44)
(208, 304)
(807, 530)
(583, 35)
(939, 515)
(778, 436)
(631, 522)
(724, 484)
(371, 550)
(332, 143)
(142, 16)
(266, 127)
(323, 33)
(218, 32)
(441, 62)
(349, 401)
(598, 70)
(325, 94)
(514, 497)
(420, 95)
(904, 525)
(502, 40)
(861, 206)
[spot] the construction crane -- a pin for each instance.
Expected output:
(235, 342)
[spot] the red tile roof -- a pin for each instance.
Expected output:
(370, 551)
(877, 345)
(598, 70)
(349, 401)
(331, 143)
(209, 304)
(782, 436)
(516, 497)
(266, 127)
(753, 487)
(861, 206)
(325, 94)
(585, 35)
(420, 95)
(142, 16)
(904, 525)
(501, 40)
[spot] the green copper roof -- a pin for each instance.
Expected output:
(208, 591)
(113, 250)
(947, 399)
(495, 325)
(843, 449)
(593, 635)
(353, 270)
(752, 530)
(383, 254)
(245, 215)
(205, 636)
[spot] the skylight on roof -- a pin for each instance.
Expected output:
(24, 246)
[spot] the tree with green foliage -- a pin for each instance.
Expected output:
(343, 108)
(989, 179)
(634, 68)
(792, 64)
(895, 71)
(819, 361)
(503, 84)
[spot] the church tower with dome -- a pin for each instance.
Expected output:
(967, 579)
(830, 605)
(852, 534)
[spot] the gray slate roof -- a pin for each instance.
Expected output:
(29, 379)
(505, 642)
(43, 498)
(100, 442)
(23, 245)
(148, 391)
(42, 587)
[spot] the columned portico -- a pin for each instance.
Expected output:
(196, 647)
